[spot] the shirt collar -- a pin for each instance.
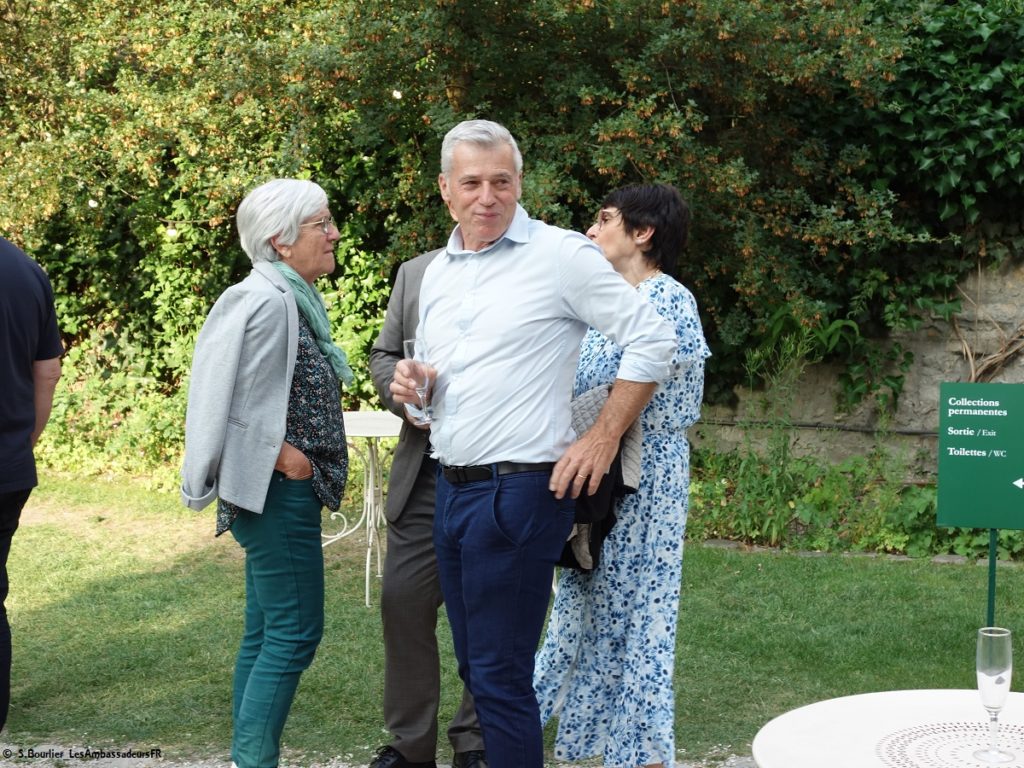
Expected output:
(518, 232)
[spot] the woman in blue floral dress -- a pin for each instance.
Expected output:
(605, 668)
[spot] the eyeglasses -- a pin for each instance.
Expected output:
(604, 217)
(325, 224)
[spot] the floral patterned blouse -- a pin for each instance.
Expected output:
(315, 426)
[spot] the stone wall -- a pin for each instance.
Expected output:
(983, 344)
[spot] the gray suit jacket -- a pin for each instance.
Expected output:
(399, 324)
(238, 395)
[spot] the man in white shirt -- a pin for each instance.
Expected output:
(502, 312)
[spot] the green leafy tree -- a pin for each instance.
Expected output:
(720, 98)
(132, 130)
(129, 139)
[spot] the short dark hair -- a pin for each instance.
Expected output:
(659, 206)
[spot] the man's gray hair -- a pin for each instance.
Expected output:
(484, 133)
(276, 208)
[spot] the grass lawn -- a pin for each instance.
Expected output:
(127, 612)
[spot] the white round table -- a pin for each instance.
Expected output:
(891, 729)
(372, 425)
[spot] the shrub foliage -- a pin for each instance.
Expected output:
(838, 156)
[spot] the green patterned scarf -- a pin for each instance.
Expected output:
(311, 305)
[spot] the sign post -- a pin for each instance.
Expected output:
(981, 462)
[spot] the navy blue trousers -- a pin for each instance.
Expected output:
(497, 542)
(11, 504)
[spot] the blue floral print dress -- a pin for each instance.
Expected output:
(606, 665)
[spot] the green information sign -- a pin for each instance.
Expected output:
(981, 455)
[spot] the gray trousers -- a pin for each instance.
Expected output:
(410, 600)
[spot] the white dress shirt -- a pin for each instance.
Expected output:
(503, 328)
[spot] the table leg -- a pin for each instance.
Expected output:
(371, 486)
(372, 517)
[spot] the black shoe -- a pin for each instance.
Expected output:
(475, 758)
(389, 757)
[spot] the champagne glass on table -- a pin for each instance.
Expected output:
(416, 351)
(995, 668)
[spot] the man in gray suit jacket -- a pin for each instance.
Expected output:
(411, 591)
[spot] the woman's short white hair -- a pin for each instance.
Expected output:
(276, 209)
(484, 133)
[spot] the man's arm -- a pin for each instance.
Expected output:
(588, 459)
(387, 349)
(387, 354)
(604, 300)
(45, 374)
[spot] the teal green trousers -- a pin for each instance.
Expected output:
(284, 615)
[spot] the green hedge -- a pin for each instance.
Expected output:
(858, 505)
(845, 161)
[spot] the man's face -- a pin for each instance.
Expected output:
(481, 192)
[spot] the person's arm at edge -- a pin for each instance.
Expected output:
(588, 459)
(215, 361)
(45, 375)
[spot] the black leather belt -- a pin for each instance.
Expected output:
(478, 472)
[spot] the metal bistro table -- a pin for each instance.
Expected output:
(372, 425)
(891, 729)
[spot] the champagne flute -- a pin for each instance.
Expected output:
(416, 351)
(994, 668)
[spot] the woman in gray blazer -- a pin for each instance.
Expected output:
(264, 435)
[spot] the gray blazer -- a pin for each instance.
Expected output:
(238, 395)
(399, 324)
